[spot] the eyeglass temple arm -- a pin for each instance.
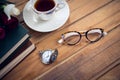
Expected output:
(61, 40)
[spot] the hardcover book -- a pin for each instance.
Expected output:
(12, 41)
(26, 49)
(14, 54)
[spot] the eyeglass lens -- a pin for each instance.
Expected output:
(72, 37)
(94, 35)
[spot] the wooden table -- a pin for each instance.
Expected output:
(85, 61)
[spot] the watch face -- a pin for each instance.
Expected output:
(46, 56)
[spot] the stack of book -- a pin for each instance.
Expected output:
(14, 48)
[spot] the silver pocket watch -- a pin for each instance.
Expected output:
(48, 56)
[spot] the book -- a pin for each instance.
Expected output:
(12, 41)
(14, 54)
(21, 54)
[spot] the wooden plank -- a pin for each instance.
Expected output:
(88, 62)
(115, 66)
(87, 9)
(75, 4)
(113, 74)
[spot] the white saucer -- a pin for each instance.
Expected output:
(56, 22)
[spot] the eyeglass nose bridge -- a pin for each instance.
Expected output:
(83, 33)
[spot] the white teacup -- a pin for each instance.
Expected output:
(45, 9)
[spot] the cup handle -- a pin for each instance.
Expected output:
(60, 5)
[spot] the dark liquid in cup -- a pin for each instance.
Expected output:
(44, 5)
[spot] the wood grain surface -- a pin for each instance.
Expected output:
(84, 61)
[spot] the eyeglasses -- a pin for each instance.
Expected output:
(73, 37)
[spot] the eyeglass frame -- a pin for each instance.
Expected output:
(83, 33)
